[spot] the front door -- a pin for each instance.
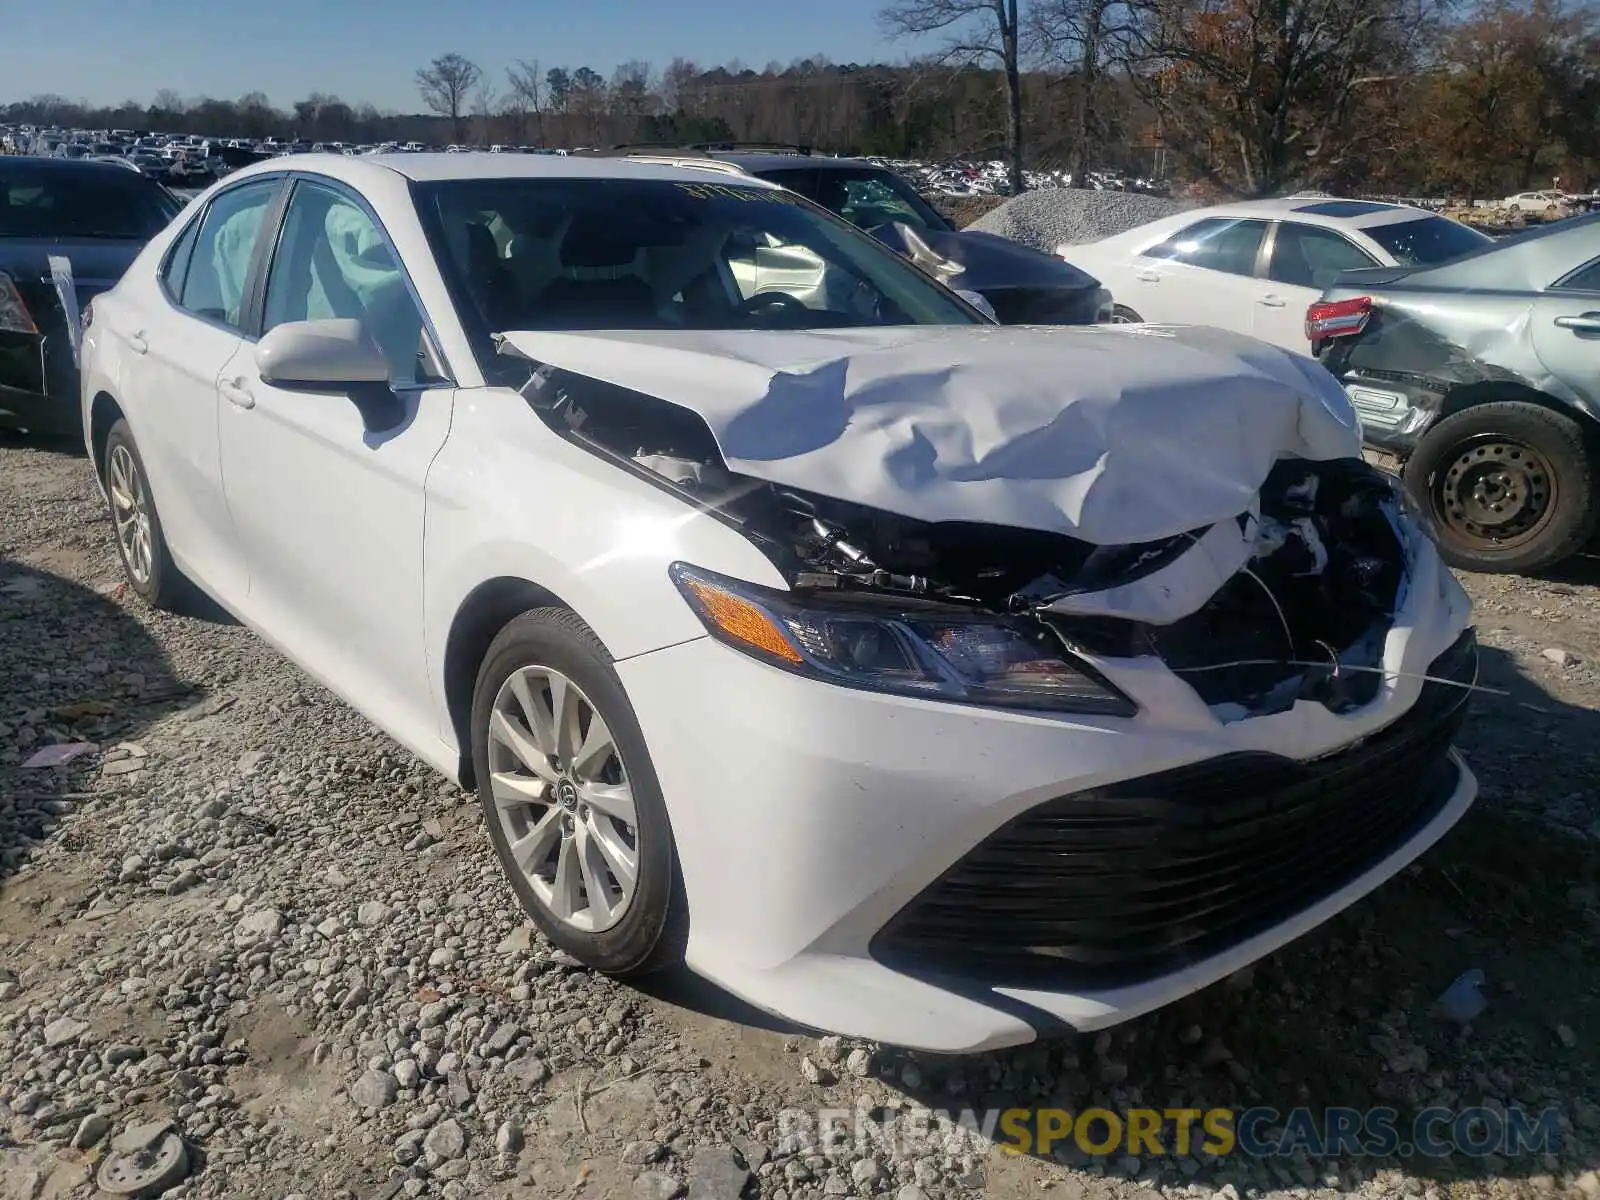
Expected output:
(329, 503)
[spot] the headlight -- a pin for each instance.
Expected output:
(932, 651)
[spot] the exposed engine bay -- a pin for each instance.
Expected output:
(1305, 617)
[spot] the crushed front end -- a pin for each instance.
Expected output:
(1063, 783)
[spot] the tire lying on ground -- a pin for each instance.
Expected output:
(1509, 486)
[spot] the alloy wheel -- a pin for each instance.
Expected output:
(1496, 491)
(130, 510)
(563, 798)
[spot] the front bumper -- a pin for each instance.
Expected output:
(810, 818)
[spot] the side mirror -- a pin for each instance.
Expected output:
(331, 354)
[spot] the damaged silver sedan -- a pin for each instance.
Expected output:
(910, 676)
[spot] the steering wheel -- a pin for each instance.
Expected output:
(772, 304)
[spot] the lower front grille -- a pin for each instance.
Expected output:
(1128, 882)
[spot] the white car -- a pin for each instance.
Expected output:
(1256, 266)
(907, 675)
(1535, 202)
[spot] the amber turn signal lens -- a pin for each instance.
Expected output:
(742, 621)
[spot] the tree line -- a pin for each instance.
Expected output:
(1237, 97)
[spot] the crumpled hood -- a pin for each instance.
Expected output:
(1110, 434)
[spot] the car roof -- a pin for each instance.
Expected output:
(431, 168)
(1330, 211)
(758, 161)
(77, 166)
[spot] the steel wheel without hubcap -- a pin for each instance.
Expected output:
(563, 799)
(130, 510)
(1497, 491)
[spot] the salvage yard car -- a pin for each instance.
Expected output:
(1481, 378)
(1255, 265)
(907, 675)
(68, 229)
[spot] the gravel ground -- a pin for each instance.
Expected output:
(251, 918)
(1053, 217)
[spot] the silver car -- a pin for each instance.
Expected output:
(1481, 377)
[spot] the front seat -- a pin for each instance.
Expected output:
(598, 288)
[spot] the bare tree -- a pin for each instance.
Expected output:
(1079, 35)
(678, 92)
(484, 105)
(1259, 95)
(979, 33)
(445, 84)
(527, 92)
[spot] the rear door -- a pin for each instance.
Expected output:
(1566, 330)
(1204, 274)
(178, 341)
(1302, 262)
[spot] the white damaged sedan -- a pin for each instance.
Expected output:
(908, 676)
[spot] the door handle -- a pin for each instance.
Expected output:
(137, 342)
(1588, 322)
(1271, 301)
(235, 393)
(1148, 276)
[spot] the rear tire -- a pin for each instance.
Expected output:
(577, 817)
(1121, 314)
(1510, 487)
(141, 543)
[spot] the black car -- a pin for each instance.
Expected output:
(1022, 285)
(92, 219)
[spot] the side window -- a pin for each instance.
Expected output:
(1585, 279)
(1306, 256)
(332, 261)
(1216, 244)
(213, 285)
(172, 275)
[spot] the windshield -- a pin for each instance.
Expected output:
(658, 254)
(57, 203)
(1427, 241)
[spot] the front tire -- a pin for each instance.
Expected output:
(1510, 487)
(571, 800)
(141, 544)
(1121, 314)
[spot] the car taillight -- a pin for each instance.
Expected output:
(14, 315)
(1337, 318)
(87, 317)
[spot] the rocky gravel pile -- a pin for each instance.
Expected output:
(1054, 217)
(245, 924)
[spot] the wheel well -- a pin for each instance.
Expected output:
(104, 412)
(1461, 398)
(488, 609)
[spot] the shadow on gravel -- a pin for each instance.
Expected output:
(78, 668)
(1346, 1016)
(687, 990)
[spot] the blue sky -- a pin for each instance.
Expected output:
(106, 51)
